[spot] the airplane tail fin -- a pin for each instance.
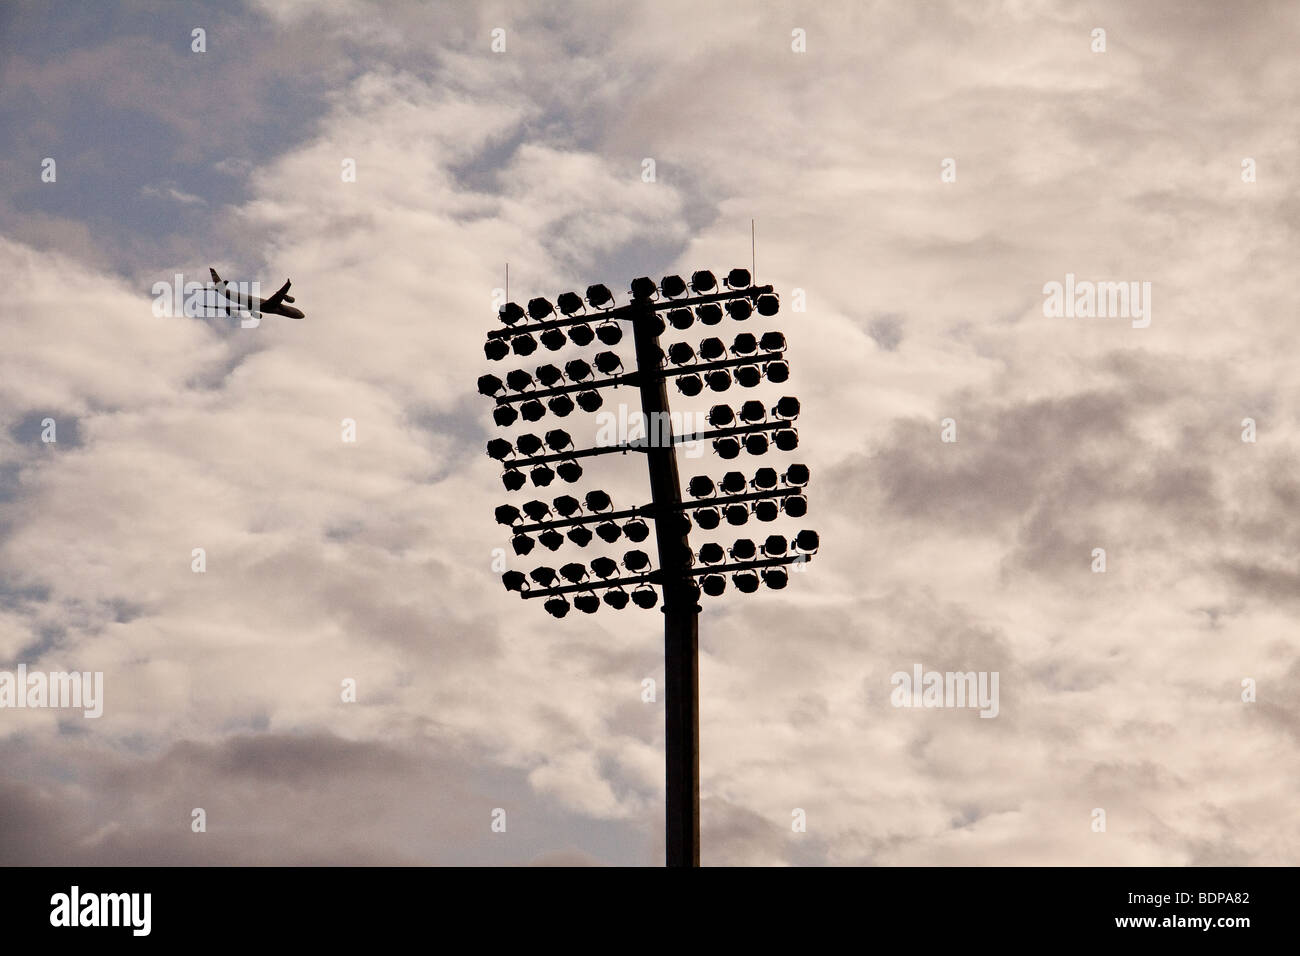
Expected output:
(215, 278)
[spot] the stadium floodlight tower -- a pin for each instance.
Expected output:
(682, 575)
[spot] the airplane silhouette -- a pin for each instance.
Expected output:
(272, 306)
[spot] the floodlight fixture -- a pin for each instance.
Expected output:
(551, 539)
(753, 411)
(672, 286)
(787, 439)
(708, 518)
(560, 405)
(712, 349)
(636, 560)
(645, 597)
(712, 553)
(766, 510)
(768, 304)
(775, 545)
(733, 482)
(643, 287)
(511, 313)
(532, 410)
(739, 309)
(616, 598)
(566, 506)
(599, 296)
(539, 308)
(713, 584)
(807, 541)
(507, 514)
(519, 380)
(608, 532)
(598, 501)
(579, 535)
(570, 303)
(578, 371)
(496, 349)
(726, 448)
(745, 344)
(679, 353)
(772, 342)
(544, 576)
(569, 471)
(590, 401)
(549, 375)
(796, 475)
(745, 581)
(554, 339)
(720, 416)
(581, 335)
(556, 606)
(775, 578)
(777, 371)
(748, 376)
(796, 506)
(541, 476)
(604, 567)
(719, 380)
(557, 439)
(690, 385)
(587, 602)
(515, 581)
(608, 362)
(504, 415)
(528, 444)
(536, 510)
(710, 313)
(743, 550)
(738, 279)
(513, 479)
(499, 449)
(681, 319)
(737, 514)
(636, 530)
(756, 444)
(765, 478)
(489, 385)
(609, 333)
(522, 544)
(523, 345)
(786, 407)
(703, 281)
(573, 572)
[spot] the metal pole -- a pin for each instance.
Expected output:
(681, 613)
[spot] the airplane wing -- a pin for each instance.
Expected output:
(279, 296)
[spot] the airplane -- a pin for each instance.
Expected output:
(272, 306)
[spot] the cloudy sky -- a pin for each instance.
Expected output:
(373, 560)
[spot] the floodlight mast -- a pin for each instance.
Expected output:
(680, 610)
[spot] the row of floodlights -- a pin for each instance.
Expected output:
(646, 596)
(558, 440)
(579, 370)
(701, 486)
(636, 530)
(599, 296)
(609, 333)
